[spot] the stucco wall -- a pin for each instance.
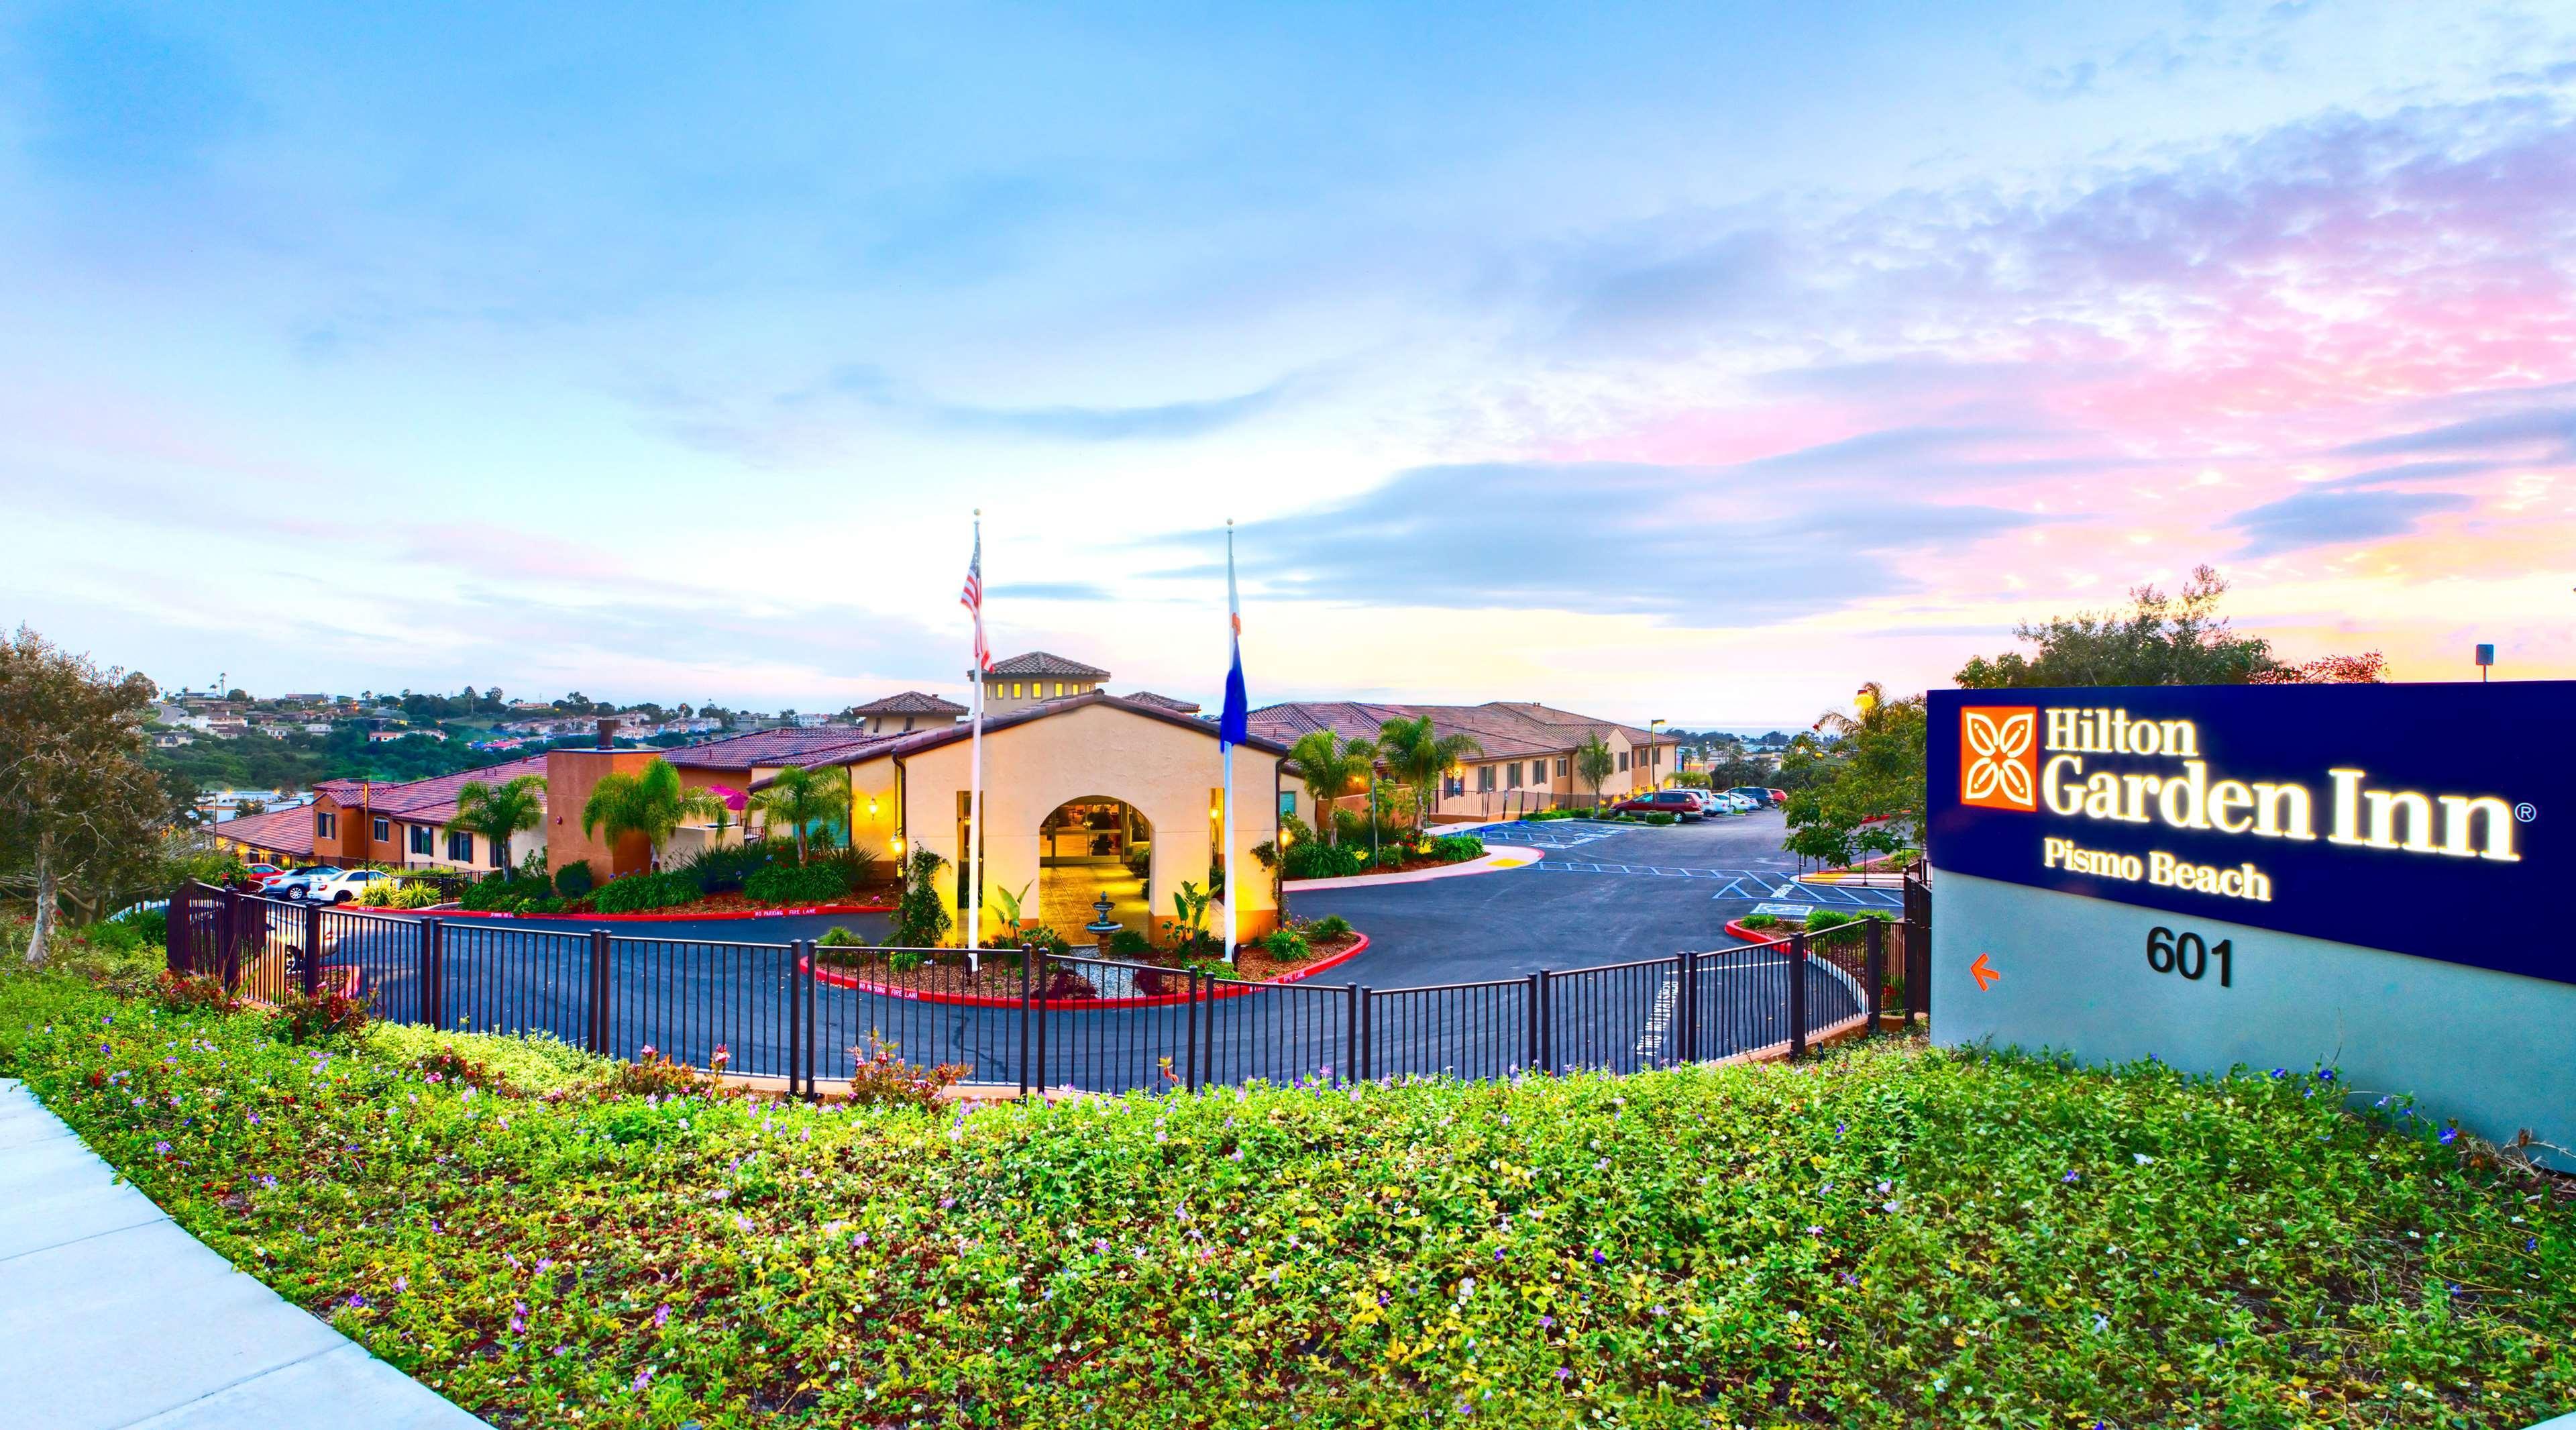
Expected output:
(570, 777)
(2489, 1049)
(1166, 771)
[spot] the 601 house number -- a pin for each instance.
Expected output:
(2190, 955)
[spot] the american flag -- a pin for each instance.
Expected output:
(972, 598)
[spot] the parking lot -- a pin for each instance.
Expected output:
(1600, 893)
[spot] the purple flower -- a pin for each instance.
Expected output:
(661, 1314)
(402, 1283)
(357, 1300)
(161, 1147)
(2072, 1177)
(1599, 1260)
(643, 1378)
(1562, 1373)
(2450, 1135)
(1546, 1322)
(2326, 1076)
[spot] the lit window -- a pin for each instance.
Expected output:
(1015, 690)
(1059, 689)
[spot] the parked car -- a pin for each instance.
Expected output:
(345, 887)
(1778, 796)
(262, 875)
(1761, 797)
(1717, 802)
(293, 883)
(1680, 803)
(1736, 803)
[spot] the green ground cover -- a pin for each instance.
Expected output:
(1888, 1236)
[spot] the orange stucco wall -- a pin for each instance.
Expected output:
(570, 777)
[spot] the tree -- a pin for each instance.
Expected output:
(2367, 668)
(1331, 767)
(1593, 764)
(1419, 754)
(80, 812)
(651, 802)
(2162, 640)
(1863, 780)
(499, 813)
(799, 798)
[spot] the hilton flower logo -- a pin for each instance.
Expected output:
(1999, 757)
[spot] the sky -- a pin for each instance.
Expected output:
(1694, 362)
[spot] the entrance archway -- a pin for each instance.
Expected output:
(1088, 847)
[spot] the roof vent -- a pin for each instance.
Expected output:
(607, 733)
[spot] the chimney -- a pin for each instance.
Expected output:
(607, 733)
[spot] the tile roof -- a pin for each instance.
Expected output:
(791, 746)
(1147, 697)
(282, 831)
(1038, 662)
(1503, 729)
(896, 746)
(910, 702)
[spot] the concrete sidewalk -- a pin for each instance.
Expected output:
(111, 1316)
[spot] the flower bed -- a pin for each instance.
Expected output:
(711, 906)
(1891, 1236)
(945, 978)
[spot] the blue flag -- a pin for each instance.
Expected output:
(1234, 724)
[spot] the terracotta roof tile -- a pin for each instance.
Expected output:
(280, 831)
(1038, 662)
(767, 747)
(910, 702)
(1147, 697)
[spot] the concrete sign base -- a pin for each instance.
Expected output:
(2015, 966)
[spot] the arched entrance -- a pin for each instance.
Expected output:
(1088, 847)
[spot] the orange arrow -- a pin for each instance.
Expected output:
(1984, 973)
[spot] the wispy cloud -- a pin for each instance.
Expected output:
(2312, 519)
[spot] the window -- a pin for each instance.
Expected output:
(1512, 775)
(1623, 762)
(326, 824)
(1484, 778)
(460, 847)
(500, 853)
(420, 839)
(1059, 690)
(383, 830)
(1015, 690)
(1563, 765)
(1287, 805)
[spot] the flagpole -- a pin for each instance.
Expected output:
(1225, 749)
(975, 784)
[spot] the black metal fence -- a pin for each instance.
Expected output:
(807, 1013)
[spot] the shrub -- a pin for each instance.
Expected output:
(1456, 848)
(1823, 919)
(637, 892)
(575, 880)
(1323, 861)
(303, 1018)
(816, 883)
(415, 894)
(1127, 943)
(1330, 926)
(194, 993)
(656, 1073)
(724, 871)
(1287, 945)
(517, 893)
(529, 1063)
(905, 960)
(882, 1078)
(1760, 921)
(920, 919)
(839, 937)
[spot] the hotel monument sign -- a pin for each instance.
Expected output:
(2369, 877)
(2429, 820)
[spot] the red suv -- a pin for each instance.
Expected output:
(1680, 803)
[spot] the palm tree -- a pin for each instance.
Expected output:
(1593, 764)
(651, 802)
(1420, 754)
(1332, 767)
(499, 812)
(798, 798)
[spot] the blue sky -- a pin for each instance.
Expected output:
(1694, 362)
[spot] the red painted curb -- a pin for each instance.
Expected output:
(1737, 928)
(1159, 1000)
(778, 913)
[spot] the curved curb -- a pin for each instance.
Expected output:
(646, 918)
(1486, 863)
(1737, 928)
(1159, 1000)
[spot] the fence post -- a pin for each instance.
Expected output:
(813, 966)
(312, 949)
(1366, 998)
(1876, 971)
(433, 995)
(1537, 1007)
(795, 1017)
(1029, 955)
(183, 913)
(1351, 1032)
(1545, 983)
(236, 933)
(1683, 1014)
(1026, 983)
(1190, 1036)
(1798, 995)
(595, 1028)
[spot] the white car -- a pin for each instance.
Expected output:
(1739, 803)
(344, 887)
(293, 884)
